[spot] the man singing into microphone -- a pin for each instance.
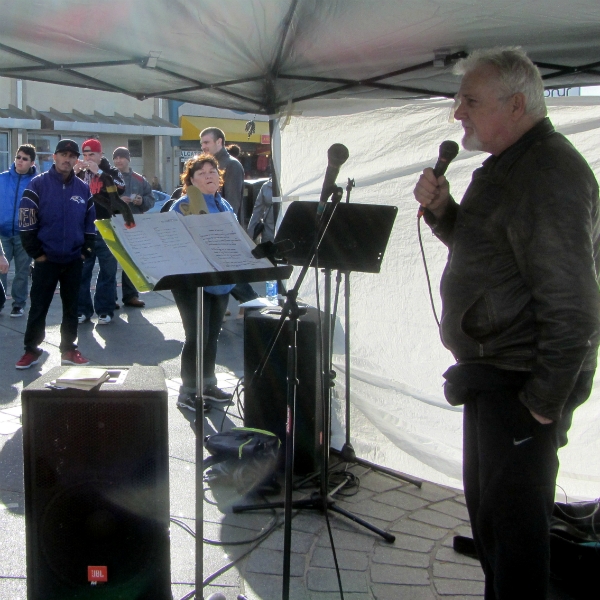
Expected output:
(521, 310)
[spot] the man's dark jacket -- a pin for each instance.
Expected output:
(101, 212)
(520, 288)
(233, 180)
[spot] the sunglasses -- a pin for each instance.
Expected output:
(22, 157)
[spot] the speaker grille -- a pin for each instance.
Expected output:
(265, 398)
(96, 494)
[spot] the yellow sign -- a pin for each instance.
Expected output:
(234, 129)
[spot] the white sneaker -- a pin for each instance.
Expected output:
(104, 319)
(82, 319)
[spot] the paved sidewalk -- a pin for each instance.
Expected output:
(419, 565)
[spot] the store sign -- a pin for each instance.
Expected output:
(187, 154)
(265, 139)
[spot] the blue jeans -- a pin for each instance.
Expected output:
(128, 290)
(106, 284)
(13, 250)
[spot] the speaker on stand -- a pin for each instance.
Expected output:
(97, 488)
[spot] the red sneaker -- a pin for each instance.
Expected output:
(28, 359)
(73, 357)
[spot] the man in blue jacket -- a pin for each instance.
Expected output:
(56, 220)
(12, 184)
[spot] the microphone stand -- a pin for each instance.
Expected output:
(322, 500)
(347, 452)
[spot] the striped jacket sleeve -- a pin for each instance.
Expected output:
(28, 222)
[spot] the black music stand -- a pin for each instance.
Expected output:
(346, 236)
(200, 280)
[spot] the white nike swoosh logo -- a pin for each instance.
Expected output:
(519, 442)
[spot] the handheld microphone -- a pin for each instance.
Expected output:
(337, 155)
(446, 154)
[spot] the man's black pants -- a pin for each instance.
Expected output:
(510, 465)
(46, 276)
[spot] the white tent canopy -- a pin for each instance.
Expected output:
(259, 55)
(270, 57)
(400, 417)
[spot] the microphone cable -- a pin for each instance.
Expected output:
(419, 215)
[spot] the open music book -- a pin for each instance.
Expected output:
(163, 244)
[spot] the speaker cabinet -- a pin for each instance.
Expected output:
(97, 489)
(265, 400)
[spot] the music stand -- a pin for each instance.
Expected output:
(201, 280)
(348, 236)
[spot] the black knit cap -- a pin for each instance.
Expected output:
(122, 151)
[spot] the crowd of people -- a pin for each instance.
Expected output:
(520, 293)
(47, 230)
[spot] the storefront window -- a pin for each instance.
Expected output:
(135, 148)
(44, 148)
(4, 157)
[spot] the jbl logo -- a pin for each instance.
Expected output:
(96, 574)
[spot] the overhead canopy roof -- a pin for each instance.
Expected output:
(258, 55)
(99, 123)
(15, 118)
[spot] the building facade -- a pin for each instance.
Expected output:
(42, 113)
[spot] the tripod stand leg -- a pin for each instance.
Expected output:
(388, 537)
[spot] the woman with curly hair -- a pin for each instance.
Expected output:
(201, 172)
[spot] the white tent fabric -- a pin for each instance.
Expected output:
(258, 55)
(400, 418)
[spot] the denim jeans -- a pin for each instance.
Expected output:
(106, 284)
(46, 276)
(214, 311)
(128, 290)
(243, 292)
(13, 250)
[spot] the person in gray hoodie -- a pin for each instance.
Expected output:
(138, 195)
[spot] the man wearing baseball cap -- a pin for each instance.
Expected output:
(56, 224)
(89, 170)
(138, 195)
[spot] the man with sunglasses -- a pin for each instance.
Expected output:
(12, 184)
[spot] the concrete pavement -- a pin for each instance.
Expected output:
(243, 552)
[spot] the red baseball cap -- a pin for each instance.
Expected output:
(91, 146)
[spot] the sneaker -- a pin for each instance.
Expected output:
(73, 357)
(117, 306)
(17, 311)
(189, 401)
(82, 319)
(28, 359)
(104, 319)
(212, 392)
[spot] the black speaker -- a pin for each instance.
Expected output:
(265, 398)
(97, 488)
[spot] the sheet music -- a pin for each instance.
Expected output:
(223, 241)
(160, 245)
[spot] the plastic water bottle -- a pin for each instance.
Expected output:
(272, 292)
